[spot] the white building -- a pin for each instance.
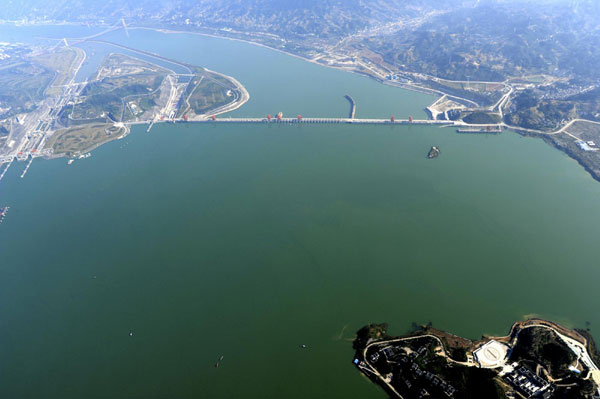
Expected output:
(491, 355)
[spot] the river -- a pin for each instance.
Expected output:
(248, 241)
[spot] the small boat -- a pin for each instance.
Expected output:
(219, 361)
(70, 161)
(3, 212)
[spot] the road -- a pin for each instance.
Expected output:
(241, 98)
(578, 348)
(31, 132)
(499, 106)
(391, 341)
(147, 54)
(354, 121)
(558, 131)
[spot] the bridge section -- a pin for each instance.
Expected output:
(353, 121)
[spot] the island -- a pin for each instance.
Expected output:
(537, 359)
(434, 152)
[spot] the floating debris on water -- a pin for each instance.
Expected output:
(3, 212)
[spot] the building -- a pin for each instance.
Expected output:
(529, 384)
(589, 146)
(491, 355)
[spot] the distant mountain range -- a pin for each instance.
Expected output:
(290, 17)
(483, 39)
(460, 40)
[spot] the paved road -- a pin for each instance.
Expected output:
(578, 348)
(384, 380)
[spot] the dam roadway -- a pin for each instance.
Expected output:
(301, 120)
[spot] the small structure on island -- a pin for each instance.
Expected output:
(588, 146)
(434, 152)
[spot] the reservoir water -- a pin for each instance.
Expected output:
(248, 241)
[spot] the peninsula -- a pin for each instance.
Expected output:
(537, 359)
(47, 112)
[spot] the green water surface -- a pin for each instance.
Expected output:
(249, 240)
